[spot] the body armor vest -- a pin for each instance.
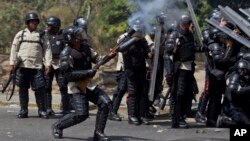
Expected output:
(56, 43)
(135, 55)
(81, 58)
(185, 48)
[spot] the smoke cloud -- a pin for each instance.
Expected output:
(147, 10)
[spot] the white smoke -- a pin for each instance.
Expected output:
(147, 10)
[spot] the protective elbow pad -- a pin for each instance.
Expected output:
(233, 83)
(126, 45)
(64, 58)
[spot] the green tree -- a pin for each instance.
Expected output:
(204, 9)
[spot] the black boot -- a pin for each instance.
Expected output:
(132, 118)
(117, 98)
(175, 119)
(183, 123)
(200, 118)
(145, 120)
(49, 103)
(24, 99)
(152, 110)
(114, 116)
(101, 119)
(224, 122)
(65, 122)
(40, 101)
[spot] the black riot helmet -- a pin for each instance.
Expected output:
(53, 21)
(185, 18)
(172, 27)
(137, 25)
(215, 48)
(31, 16)
(73, 32)
(242, 67)
(216, 51)
(139, 28)
(215, 34)
(152, 31)
(184, 23)
(67, 33)
(216, 14)
(161, 17)
(81, 22)
(206, 35)
(80, 34)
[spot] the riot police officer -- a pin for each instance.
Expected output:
(236, 100)
(179, 59)
(81, 22)
(56, 40)
(135, 50)
(76, 59)
(220, 55)
(33, 49)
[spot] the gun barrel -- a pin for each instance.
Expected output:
(6, 84)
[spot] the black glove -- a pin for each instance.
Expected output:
(91, 72)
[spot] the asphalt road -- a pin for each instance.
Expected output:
(36, 129)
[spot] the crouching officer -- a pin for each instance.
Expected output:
(76, 59)
(34, 50)
(236, 100)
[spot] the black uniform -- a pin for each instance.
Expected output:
(134, 55)
(214, 50)
(57, 45)
(179, 60)
(236, 100)
(80, 68)
(220, 60)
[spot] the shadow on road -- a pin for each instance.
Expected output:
(113, 138)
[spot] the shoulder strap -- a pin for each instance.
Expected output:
(20, 41)
(41, 34)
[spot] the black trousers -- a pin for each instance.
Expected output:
(237, 111)
(137, 100)
(181, 94)
(121, 90)
(26, 77)
(216, 89)
(60, 79)
(81, 102)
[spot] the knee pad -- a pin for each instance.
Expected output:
(106, 107)
(38, 80)
(19, 79)
(104, 99)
